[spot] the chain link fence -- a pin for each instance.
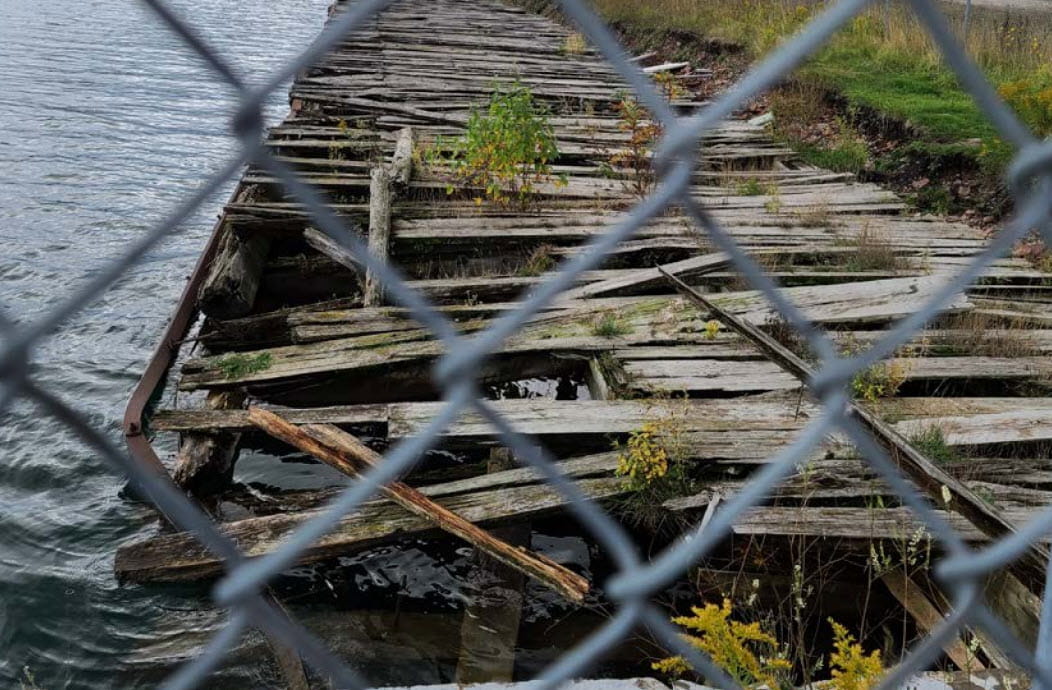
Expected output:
(242, 589)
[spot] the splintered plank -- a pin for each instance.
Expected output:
(642, 279)
(367, 354)
(564, 331)
(868, 301)
(180, 557)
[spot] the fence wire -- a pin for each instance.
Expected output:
(961, 570)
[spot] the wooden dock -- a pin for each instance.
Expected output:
(292, 325)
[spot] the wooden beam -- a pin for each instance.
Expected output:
(349, 455)
(380, 195)
(330, 248)
(927, 617)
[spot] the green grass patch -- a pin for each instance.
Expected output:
(608, 325)
(931, 441)
(884, 63)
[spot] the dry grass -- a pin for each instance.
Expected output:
(874, 251)
(575, 44)
(540, 261)
(815, 216)
(980, 335)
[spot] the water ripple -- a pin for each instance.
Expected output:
(106, 122)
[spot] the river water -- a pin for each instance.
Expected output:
(106, 122)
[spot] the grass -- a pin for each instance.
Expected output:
(881, 70)
(608, 325)
(896, 70)
(575, 44)
(239, 365)
(540, 261)
(751, 187)
(874, 251)
(931, 441)
(979, 335)
(814, 216)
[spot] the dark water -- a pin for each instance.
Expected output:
(106, 122)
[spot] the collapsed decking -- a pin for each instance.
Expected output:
(293, 324)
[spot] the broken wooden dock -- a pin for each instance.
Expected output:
(292, 325)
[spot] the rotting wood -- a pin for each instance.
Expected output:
(930, 478)
(349, 455)
(332, 249)
(405, 69)
(205, 461)
(380, 193)
(229, 289)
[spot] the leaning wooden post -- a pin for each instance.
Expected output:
(380, 195)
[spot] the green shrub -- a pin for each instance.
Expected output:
(507, 149)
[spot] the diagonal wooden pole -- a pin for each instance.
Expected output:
(346, 453)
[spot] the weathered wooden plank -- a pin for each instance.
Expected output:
(538, 417)
(866, 302)
(857, 523)
(1018, 426)
(927, 617)
(709, 375)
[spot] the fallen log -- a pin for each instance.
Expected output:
(349, 455)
